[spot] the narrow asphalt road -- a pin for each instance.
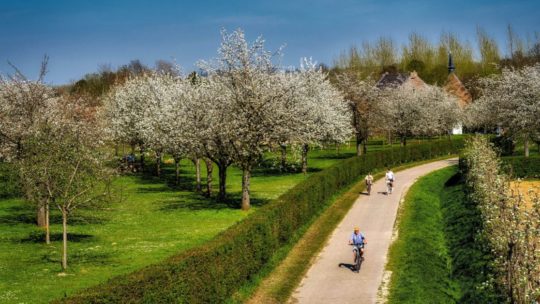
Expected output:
(326, 281)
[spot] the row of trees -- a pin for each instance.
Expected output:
(244, 105)
(97, 84)
(402, 111)
(429, 59)
(511, 102)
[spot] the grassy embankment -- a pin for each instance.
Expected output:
(435, 258)
(419, 259)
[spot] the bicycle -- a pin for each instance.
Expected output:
(358, 256)
(368, 188)
(389, 187)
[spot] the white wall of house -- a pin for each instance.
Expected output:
(457, 130)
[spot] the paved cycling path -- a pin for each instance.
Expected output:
(325, 281)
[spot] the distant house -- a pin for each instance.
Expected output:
(394, 80)
(453, 86)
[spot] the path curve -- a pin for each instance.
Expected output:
(325, 281)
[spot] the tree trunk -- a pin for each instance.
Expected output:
(197, 163)
(359, 150)
(283, 156)
(158, 163)
(305, 149)
(222, 168)
(209, 170)
(526, 146)
(41, 216)
(64, 239)
(403, 141)
(364, 147)
(116, 149)
(142, 159)
(19, 149)
(47, 225)
(246, 175)
(177, 170)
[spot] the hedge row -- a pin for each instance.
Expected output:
(507, 230)
(522, 167)
(211, 273)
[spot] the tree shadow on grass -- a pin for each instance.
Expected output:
(39, 237)
(26, 215)
(273, 172)
(167, 180)
(79, 219)
(80, 258)
(195, 201)
(341, 155)
(18, 215)
(234, 200)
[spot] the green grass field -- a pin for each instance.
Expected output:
(147, 222)
(420, 258)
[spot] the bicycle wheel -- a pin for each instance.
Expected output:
(358, 260)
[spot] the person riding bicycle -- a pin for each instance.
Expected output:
(390, 178)
(358, 241)
(369, 182)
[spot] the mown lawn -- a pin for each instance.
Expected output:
(148, 220)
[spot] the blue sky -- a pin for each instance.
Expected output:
(80, 35)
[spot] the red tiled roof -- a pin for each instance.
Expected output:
(455, 87)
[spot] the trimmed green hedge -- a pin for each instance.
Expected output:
(522, 167)
(212, 272)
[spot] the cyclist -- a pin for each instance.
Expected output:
(390, 178)
(369, 182)
(358, 241)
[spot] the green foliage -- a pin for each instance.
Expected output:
(211, 273)
(9, 181)
(504, 144)
(419, 259)
(471, 259)
(522, 167)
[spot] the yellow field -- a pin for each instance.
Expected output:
(525, 187)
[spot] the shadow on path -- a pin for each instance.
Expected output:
(351, 267)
